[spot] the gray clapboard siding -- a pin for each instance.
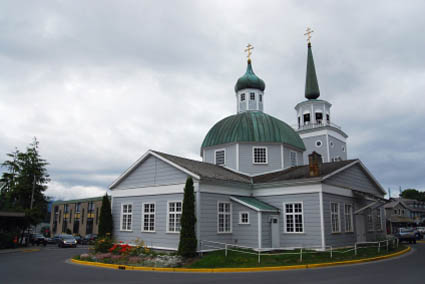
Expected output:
(152, 172)
(230, 155)
(160, 238)
(246, 234)
(208, 224)
(246, 164)
(311, 211)
(342, 238)
(355, 178)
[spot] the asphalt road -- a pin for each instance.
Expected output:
(50, 265)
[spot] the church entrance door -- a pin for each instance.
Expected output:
(275, 231)
(360, 228)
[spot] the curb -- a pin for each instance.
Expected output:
(18, 250)
(247, 269)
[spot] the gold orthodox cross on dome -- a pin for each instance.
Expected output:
(308, 34)
(248, 49)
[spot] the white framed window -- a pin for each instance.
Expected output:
(369, 220)
(126, 216)
(242, 97)
(174, 215)
(148, 217)
(244, 218)
(293, 156)
(224, 217)
(259, 155)
(336, 228)
(378, 220)
(252, 96)
(293, 217)
(348, 214)
(220, 157)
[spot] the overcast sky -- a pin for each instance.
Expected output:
(101, 82)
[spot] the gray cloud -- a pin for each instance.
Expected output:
(99, 83)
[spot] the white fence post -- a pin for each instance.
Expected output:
(379, 247)
(355, 248)
(301, 255)
(259, 256)
(331, 252)
(387, 245)
(225, 250)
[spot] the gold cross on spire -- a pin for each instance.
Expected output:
(248, 49)
(308, 34)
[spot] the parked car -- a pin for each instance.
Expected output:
(78, 239)
(89, 239)
(421, 230)
(51, 241)
(67, 241)
(38, 239)
(56, 239)
(406, 235)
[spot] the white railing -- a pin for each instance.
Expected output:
(211, 245)
(315, 125)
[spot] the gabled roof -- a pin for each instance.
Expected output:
(254, 204)
(196, 169)
(206, 170)
(301, 172)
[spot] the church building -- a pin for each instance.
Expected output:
(260, 184)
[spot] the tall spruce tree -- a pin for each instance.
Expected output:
(188, 242)
(105, 219)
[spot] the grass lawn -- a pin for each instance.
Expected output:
(217, 259)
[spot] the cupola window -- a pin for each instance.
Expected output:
(261, 98)
(319, 117)
(328, 119)
(306, 118)
(220, 157)
(242, 97)
(252, 96)
(259, 155)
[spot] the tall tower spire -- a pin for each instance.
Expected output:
(311, 85)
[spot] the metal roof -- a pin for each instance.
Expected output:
(249, 80)
(252, 126)
(254, 204)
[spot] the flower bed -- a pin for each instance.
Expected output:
(125, 254)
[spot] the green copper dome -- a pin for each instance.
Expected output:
(249, 80)
(252, 126)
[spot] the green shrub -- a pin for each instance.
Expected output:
(103, 245)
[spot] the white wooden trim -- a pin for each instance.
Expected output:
(267, 155)
(167, 225)
(259, 229)
(198, 212)
(313, 188)
(215, 156)
(282, 154)
(293, 213)
(351, 218)
(143, 217)
(322, 220)
(324, 132)
(340, 170)
(240, 218)
(231, 217)
(152, 190)
(237, 156)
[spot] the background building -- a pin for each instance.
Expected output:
(79, 216)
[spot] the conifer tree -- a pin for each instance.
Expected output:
(188, 242)
(105, 219)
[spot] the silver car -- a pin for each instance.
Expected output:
(67, 241)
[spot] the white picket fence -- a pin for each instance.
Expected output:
(212, 245)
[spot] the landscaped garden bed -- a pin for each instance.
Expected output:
(137, 254)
